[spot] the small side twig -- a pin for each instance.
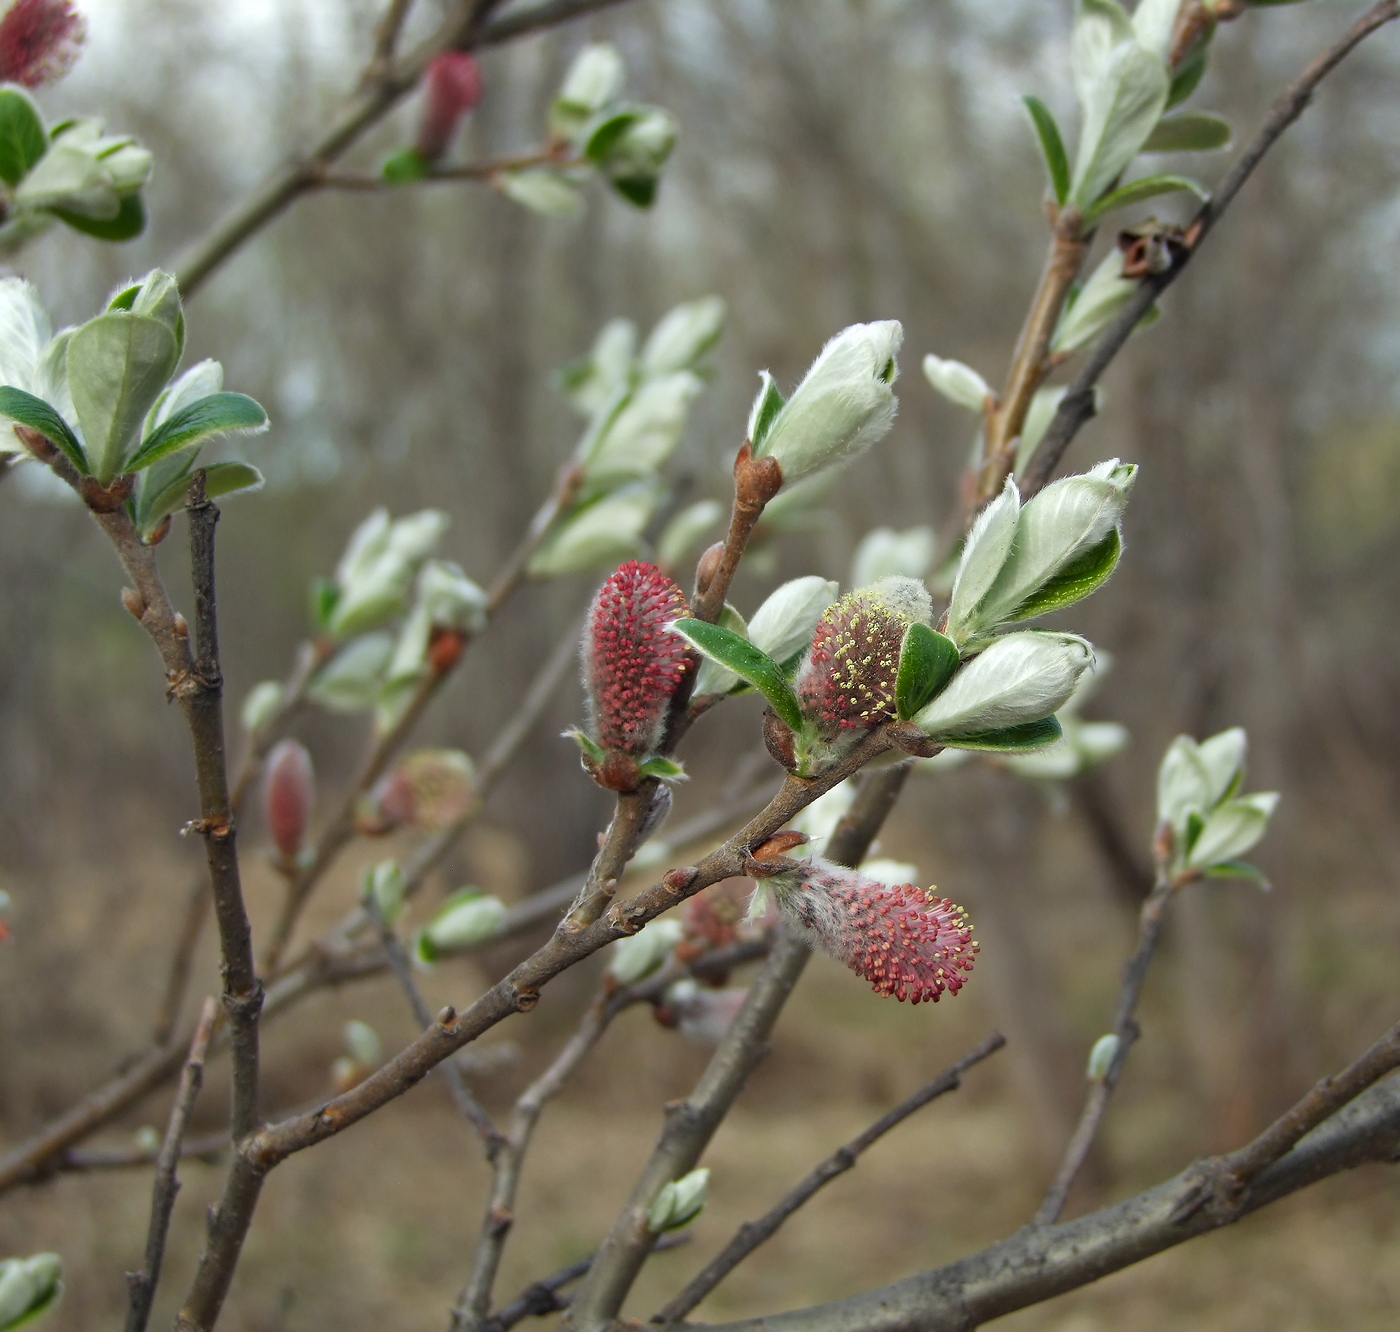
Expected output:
(142, 1285)
(753, 1233)
(1125, 1028)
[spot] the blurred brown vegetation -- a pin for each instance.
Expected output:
(841, 160)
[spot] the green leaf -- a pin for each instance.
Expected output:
(639, 191)
(1188, 75)
(1014, 739)
(231, 478)
(1239, 869)
(38, 415)
(1075, 581)
(1135, 191)
(589, 747)
(322, 596)
(403, 167)
(1188, 132)
(765, 411)
(1195, 822)
(125, 298)
(1128, 94)
(668, 770)
(927, 660)
(1052, 145)
(753, 664)
(213, 415)
(129, 222)
(22, 138)
(610, 128)
(161, 495)
(117, 366)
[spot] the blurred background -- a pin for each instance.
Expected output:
(840, 160)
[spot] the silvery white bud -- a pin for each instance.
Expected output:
(957, 382)
(1232, 828)
(146, 1139)
(1101, 1057)
(352, 679)
(639, 955)
(679, 1201)
(1154, 22)
(24, 333)
(782, 626)
(158, 297)
(594, 79)
(367, 543)
(465, 919)
(1194, 778)
(542, 190)
(384, 883)
(1066, 520)
(683, 336)
(199, 381)
(645, 430)
(1099, 26)
(884, 552)
(414, 537)
(450, 598)
(984, 553)
(599, 534)
(1105, 293)
(844, 404)
(1098, 741)
(128, 167)
(1020, 678)
(263, 703)
(28, 1286)
(686, 530)
(363, 1043)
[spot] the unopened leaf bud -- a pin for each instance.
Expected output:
(28, 1286)
(683, 335)
(701, 1014)
(289, 794)
(468, 917)
(679, 1201)
(384, 885)
(1101, 1057)
(451, 88)
(363, 1044)
(636, 957)
(134, 602)
(844, 404)
(593, 81)
(957, 382)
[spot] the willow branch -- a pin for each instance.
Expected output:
(754, 1233)
(1125, 1028)
(691, 1123)
(142, 1285)
(1077, 406)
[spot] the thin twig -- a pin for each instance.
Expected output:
(1077, 406)
(753, 1233)
(386, 39)
(473, 171)
(690, 1124)
(462, 1096)
(1125, 1028)
(142, 1285)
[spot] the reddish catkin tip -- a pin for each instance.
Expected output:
(39, 41)
(289, 792)
(905, 941)
(848, 676)
(451, 88)
(632, 663)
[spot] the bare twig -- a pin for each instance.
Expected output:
(462, 1096)
(1077, 406)
(1039, 1262)
(753, 1233)
(1125, 1028)
(142, 1285)
(690, 1124)
(386, 39)
(473, 171)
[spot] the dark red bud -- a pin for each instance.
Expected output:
(289, 792)
(451, 88)
(778, 740)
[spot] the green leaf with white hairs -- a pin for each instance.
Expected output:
(644, 431)
(1086, 574)
(117, 366)
(1099, 27)
(128, 222)
(1154, 22)
(28, 1287)
(222, 479)
(659, 766)
(1011, 739)
(927, 660)
(1223, 757)
(1052, 145)
(588, 746)
(957, 382)
(712, 678)
(218, 414)
(167, 494)
(683, 335)
(782, 627)
(1231, 829)
(1195, 778)
(1094, 306)
(27, 410)
(1148, 187)
(1123, 105)
(764, 411)
(1188, 74)
(596, 534)
(746, 661)
(984, 553)
(1188, 132)
(22, 138)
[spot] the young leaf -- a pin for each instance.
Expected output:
(587, 745)
(1239, 869)
(129, 221)
(639, 191)
(927, 661)
(668, 770)
(1123, 105)
(745, 660)
(38, 415)
(1135, 191)
(1188, 74)
(213, 415)
(1014, 739)
(1052, 145)
(1073, 583)
(231, 478)
(604, 135)
(22, 138)
(764, 411)
(1188, 132)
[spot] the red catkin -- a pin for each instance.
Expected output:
(632, 664)
(39, 41)
(848, 677)
(289, 792)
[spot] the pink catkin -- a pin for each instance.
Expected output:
(289, 793)
(39, 41)
(451, 88)
(632, 664)
(905, 941)
(847, 679)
